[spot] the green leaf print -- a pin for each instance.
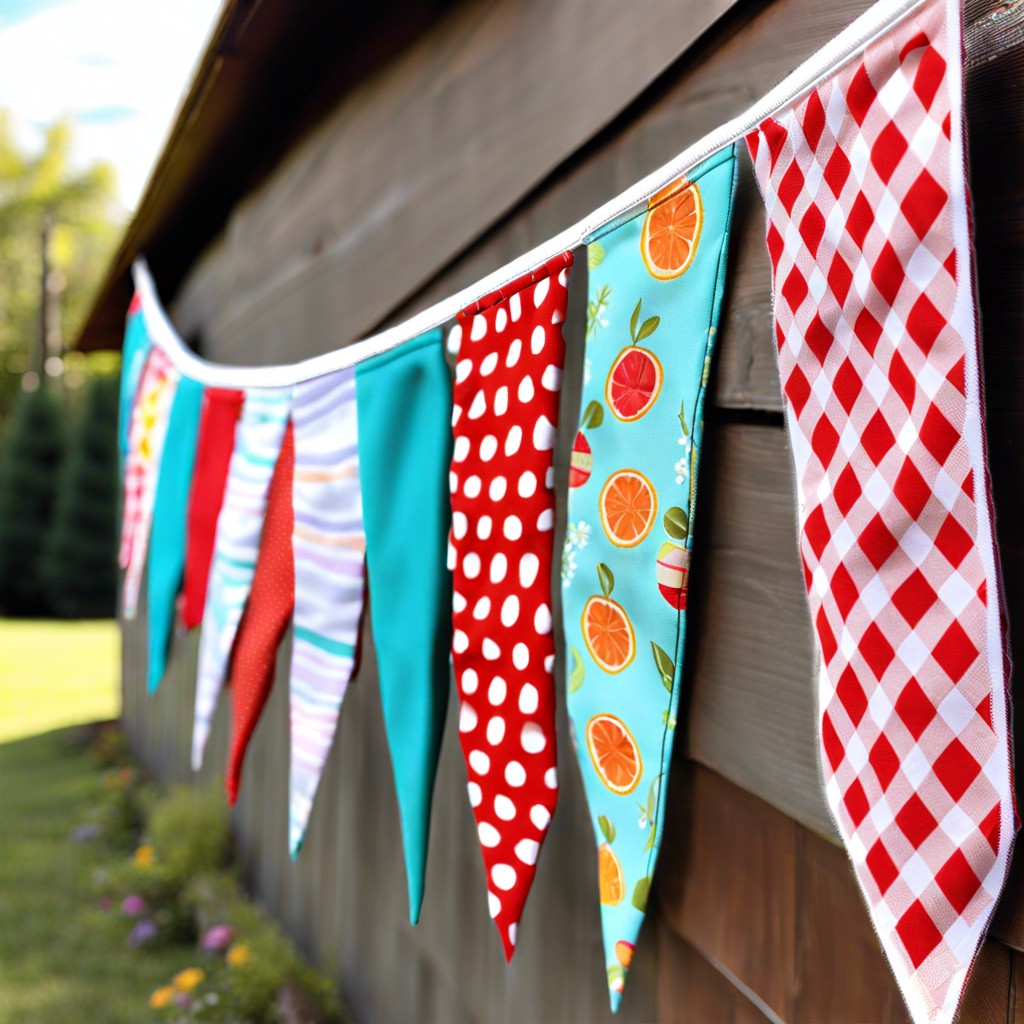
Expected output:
(641, 892)
(634, 320)
(607, 829)
(682, 419)
(666, 667)
(595, 255)
(593, 416)
(676, 523)
(595, 307)
(606, 578)
(576, 674)
(647, 328)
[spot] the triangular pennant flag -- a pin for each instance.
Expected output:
(266, 616)
(147, 432)
(656, 285)
(404, 408)
(217, 425)
(329, 545)
(167, 547)
(134, 350)
(507, 384)
(258, 443)
(876, 323)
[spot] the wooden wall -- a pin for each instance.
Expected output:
(504, 123)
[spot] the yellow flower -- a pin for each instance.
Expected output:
(162, 997)
(144, 856)
(238, 954)
(188, 979)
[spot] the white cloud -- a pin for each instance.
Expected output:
(117, 67)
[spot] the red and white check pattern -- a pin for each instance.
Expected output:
(875, 323)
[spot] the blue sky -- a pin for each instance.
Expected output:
(117, 68)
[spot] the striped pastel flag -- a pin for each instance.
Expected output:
(330, 545)
(257, 446)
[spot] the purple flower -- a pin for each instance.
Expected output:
(183, 999)
(217, 938)
(143, 932)
(133, 906)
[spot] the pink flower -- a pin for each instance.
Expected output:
(133, 906)
(217, 938)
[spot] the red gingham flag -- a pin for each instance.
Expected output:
(875, 321)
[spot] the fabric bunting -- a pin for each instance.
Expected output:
(134, 350)
(656, 286)
(868, 232)
(258, 443)
(219, 419)
(147, 432)
(266, 617)
(329, 545)
(507, 385)
(404, 407)
(167, 549)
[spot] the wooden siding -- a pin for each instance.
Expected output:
(756, 915)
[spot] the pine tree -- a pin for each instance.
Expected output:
(79, 564)
(33, 450)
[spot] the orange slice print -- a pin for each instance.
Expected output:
(634, 383)
(608, 634)
(628, 506)
(615, 754)
(609, 872)
(668, 241)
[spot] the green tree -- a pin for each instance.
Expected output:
(29, 468)
(79, 564)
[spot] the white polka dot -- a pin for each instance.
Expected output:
(488, 364)
(501, 401)
(543, 434)
(463, 368)
(467, 718)
(460, 524)
(471, 565)
(453, 558)
(484, 525)
(488, 448)
(470, 681)
(456, 414)
(542, 620)
(526, 850)
(492, 652)
(504, 808)
(510, 610)
(489, 835)
(537, 340)
(527, 485)
(478, 406)
(455, 339)
(551, 778)
(540, 816)
(475, 794)
(478, 328)
(482, 609)
(453, 481)
(529, 566)
(515, 350)
(515, 774)
(497, 489)
(513, 528)
(497, 691)
(461, 448)
(528, 699)
(503, 876)
(495, 731)
(549, 478)
(515, 308)
(552, 378)
(472, 488)
(493, 904)
(520, 656)
(458, 601)
(500, 320)
(549, 663)
(513, 440)
(540, 292)
(533, 738)
(479, 762)
(525, 391)
(460, 642)
(546, 520)
(563, 277)
(499, 568)
(513, 931)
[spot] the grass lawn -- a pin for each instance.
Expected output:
(54, 674)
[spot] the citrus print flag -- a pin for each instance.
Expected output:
(134, 350)
(876, 324)
(147, 432)
(239, 528)
(507, 384)
(656, 286)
